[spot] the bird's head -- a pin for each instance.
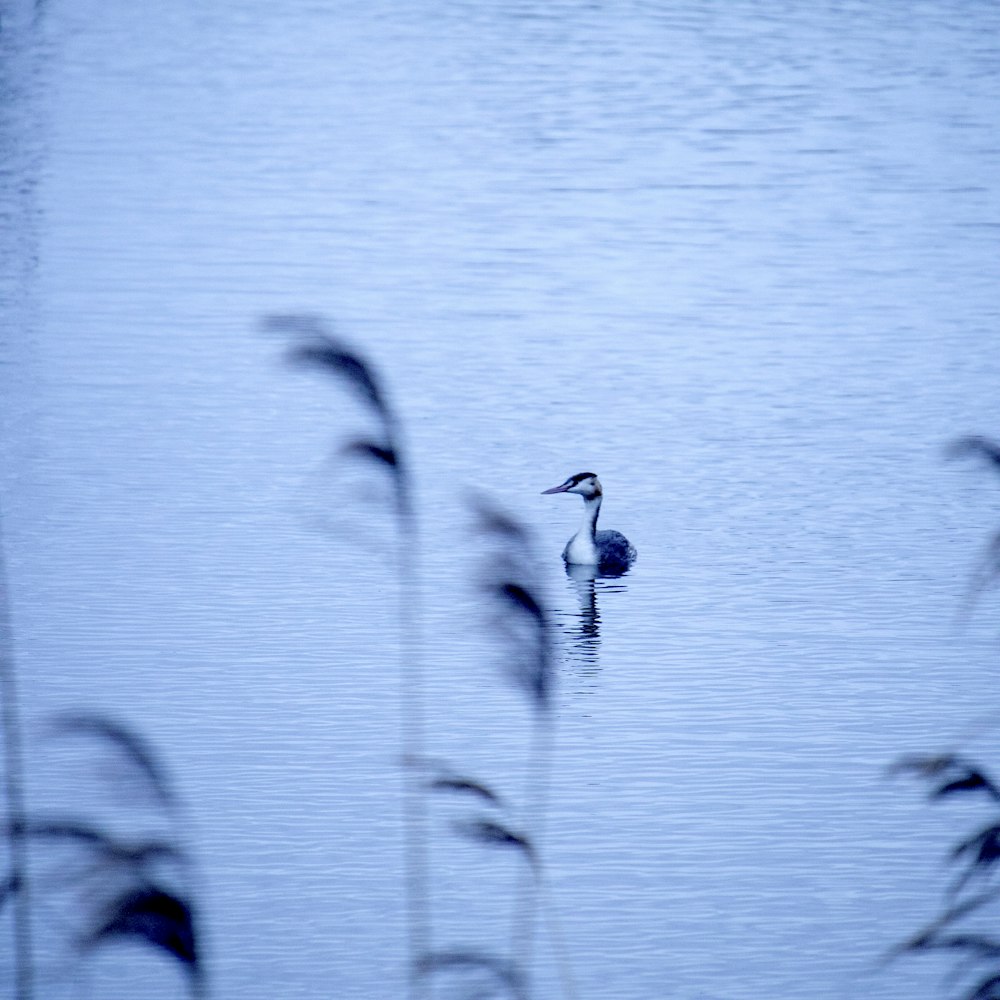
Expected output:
(586, 484)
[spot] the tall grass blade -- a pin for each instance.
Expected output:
(319, 349)
(387, 457)
(119, 883)
(949, 774)
(988, 989)
(150, 914)
(131, 856)
(8, 887)
(980, 853)
(972, 781)
(975, 445)
(465, 786)
(987, 572)
(531, 668)
(983, 846)
(494, 834)
(502, 973)
(510, 581)
(340, 361)
(135, 748)
(376, 452)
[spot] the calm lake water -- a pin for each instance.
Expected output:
(740, 259)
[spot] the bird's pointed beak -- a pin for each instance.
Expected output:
(561, 488)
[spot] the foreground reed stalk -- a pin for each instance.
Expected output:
(316, 348)
(10, 719)
(964, 927)
(512, 584)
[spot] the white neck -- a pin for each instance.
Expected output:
(581, 548)
(591, 508)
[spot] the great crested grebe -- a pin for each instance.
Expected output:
(609, 551)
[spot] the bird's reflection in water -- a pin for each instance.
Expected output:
(582, 629)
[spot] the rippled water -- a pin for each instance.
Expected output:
(738, 259)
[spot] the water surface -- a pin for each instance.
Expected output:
(740, 260)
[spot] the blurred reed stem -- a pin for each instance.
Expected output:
(318, 349)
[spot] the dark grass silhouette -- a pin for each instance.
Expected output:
(313, 346)
(510, 581)
(986, 573)
(133, 903)
(971, 898)
(480, 974)
(112, 886)
(454, 783)
(964, 926)
(121, 886)
(152, 915)
(133, 748)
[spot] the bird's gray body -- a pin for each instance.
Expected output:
(616, 551)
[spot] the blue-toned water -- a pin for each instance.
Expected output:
(739, 259)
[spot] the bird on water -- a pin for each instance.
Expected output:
(609, 551)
